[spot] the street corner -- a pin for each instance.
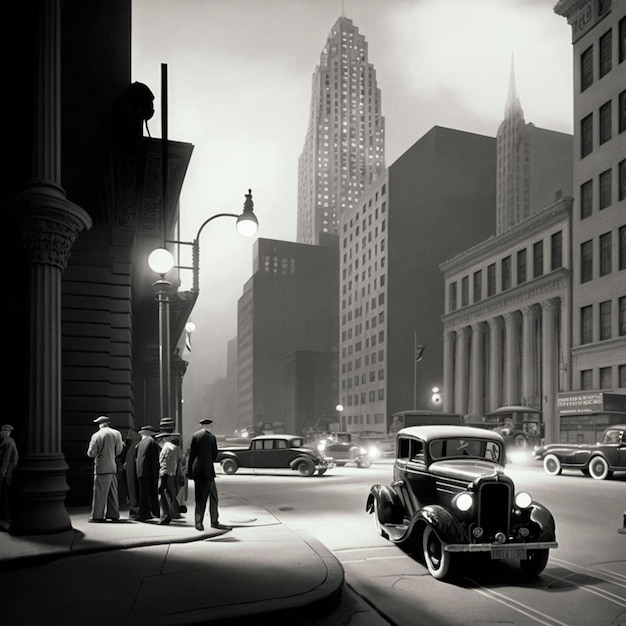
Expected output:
(237, 511)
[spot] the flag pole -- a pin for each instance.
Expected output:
(414, 370)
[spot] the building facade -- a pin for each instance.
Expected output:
(598, 354)
(344, 147)
(287, 335)
(425, 208)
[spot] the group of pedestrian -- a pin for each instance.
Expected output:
(157, 464)
(8, 462)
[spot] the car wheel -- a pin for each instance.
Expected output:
(436, 558)
(305, 468)
(340, 463)
(520, 441)
(365, 463)
(535, 562)
(552, 465)
(379, 527)
(229, 466)
(599, 468)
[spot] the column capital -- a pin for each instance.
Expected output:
(527, 311)
(551, 305)
(49, 223)
(495, 323)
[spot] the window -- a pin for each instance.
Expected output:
(606, 378)
(586, 379)
(491, 280)
(622, 248)
(586, 135)
(605, 320)
(605, 254)
(506, 273)
(538, 259)
(478, 285)
(605, 122)
(586, 261)
(621, 112)
(621, 44)
(465, 291)
(453, 296)
(586, 199)
(605, 54)
(521, 267)
(605, 189)
(621, 183)
(621, 374)
(586, 68)
(556, 251)
(586, 324)
(621, 303)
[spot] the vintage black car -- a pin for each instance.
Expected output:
(598, 460)
(450, 496)
(343, 450)
(275, 452)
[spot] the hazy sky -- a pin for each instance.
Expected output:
(239, 90)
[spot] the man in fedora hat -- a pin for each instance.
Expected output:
(105, 445)
(147, 464)
(170, 461)
(202, 455)
(8, 462)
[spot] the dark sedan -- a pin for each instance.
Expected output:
(598, 460)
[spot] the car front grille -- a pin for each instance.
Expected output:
(494, 508)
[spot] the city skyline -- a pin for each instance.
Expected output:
(228, 60)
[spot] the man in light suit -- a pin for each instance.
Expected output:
(202, 455)
(104, 447)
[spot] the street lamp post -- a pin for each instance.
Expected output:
(339, 409)
(161, 261)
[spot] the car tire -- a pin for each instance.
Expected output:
(552, 465)
(340, 463)
(229, 466)
(437, 560)
(520, 441)
(599, 468)
(364, 463)
(535, 562)
(377, 523)
(305, 468)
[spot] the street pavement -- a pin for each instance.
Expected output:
(134, 574)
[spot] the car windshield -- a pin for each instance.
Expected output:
(455, 447)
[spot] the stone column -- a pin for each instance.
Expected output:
(461, 374)
(448, 373)
(511, 358)
(528, 337)
(495, 362)
(49, 225)
(550, 370)
(476, 372)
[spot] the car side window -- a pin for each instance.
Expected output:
(281, 444)
(268, 444)
(403, 449)
(417, 451)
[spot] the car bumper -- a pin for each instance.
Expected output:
(487, 547)
(327, 464)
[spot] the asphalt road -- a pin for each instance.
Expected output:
(584, 583)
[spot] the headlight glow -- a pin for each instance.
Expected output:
(321, 446)
(523, 500)
(463, 501)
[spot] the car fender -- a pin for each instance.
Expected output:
(390, 508)
(225, 455)
(293, 464)
(544, 519)
(446, 525)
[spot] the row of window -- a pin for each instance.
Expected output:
(605, 378)
(347, 383)
(605, 261)
(364, 398)
(506, 273)
(604, 56)
(605, 125)
(605, 190)
(605, 321)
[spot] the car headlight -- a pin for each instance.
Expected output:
(321, 446)
(463, 501)
(523, 500)
(362, 451)
(374, 452)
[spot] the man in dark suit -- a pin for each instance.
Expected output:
(147, 464)
(202, 455)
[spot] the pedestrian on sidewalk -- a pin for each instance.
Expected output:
(147, 463)
(170, 461)
(8, 462)
(130, 472)
(202, 456)
(104, 447)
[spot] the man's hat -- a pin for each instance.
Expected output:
(150, 430)
(6, 427)
(101, 419)
(206, 420)
(163, 435)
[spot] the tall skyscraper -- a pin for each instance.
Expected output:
(344, 148)
(532, 170)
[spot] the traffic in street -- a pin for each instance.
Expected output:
(584, 583)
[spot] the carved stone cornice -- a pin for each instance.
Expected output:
(48, 222)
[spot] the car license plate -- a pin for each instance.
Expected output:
(502, 552)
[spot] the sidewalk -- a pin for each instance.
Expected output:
(135, 573)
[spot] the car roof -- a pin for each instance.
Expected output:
(428, 433)
(278, 436)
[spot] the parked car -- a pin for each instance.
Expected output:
(450, 496)
(343, 450)
(275, 452)
(598, 460)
